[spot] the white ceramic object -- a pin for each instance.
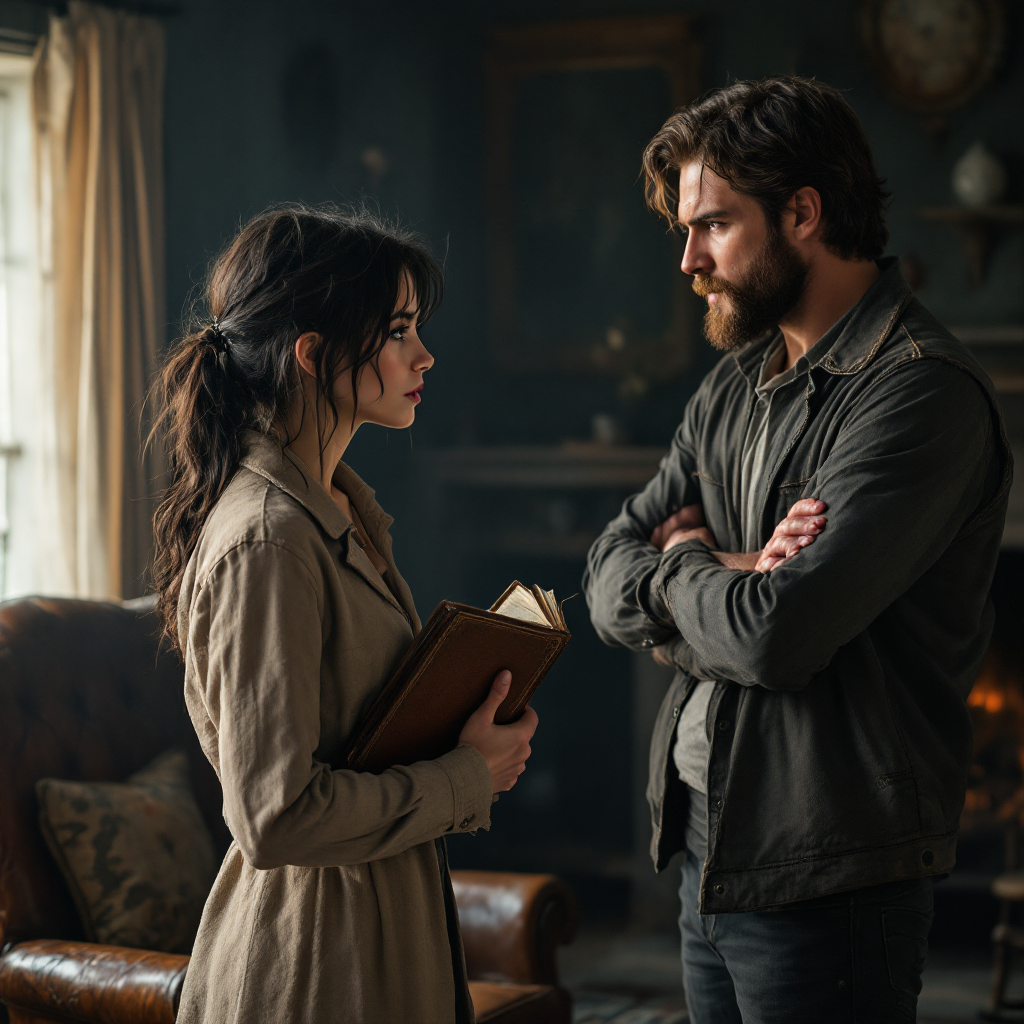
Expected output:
(979, 177)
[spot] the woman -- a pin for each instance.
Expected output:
(277, 583)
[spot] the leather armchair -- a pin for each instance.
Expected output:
(87, 693)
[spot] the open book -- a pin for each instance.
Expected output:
(448, 672)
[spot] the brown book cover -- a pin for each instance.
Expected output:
(445, 677)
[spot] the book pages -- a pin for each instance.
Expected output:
(519, 603)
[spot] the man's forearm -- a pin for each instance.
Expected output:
(618, 564)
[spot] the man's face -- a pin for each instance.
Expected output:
(740, 262)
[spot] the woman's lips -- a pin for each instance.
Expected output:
(415, 396)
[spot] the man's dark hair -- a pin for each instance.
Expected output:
(769, 139)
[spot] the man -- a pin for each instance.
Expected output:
(814, 556)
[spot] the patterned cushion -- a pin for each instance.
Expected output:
(136, 855)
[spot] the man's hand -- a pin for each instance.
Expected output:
(505, 748)
(686, 524)
(803, 523)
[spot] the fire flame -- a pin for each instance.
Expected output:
(987, 694)
(996, 690)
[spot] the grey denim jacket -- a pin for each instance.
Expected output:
(840, 738)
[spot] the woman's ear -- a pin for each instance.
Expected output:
(305, 351)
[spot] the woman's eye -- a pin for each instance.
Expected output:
(398, 333)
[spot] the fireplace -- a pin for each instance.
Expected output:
(990, 826)
(995, 788)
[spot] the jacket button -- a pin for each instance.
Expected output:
(465, 822)
(927, 858)
(675, 712)
(716, 805)
(723, 725)
(647, 643)
(719, 890)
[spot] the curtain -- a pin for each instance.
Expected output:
(98, 110)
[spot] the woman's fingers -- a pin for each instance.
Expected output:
(498, 692)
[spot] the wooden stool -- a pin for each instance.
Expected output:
(1008, 889)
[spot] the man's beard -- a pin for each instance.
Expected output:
(772, 288)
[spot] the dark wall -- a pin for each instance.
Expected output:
(273, 101)
(256, 115)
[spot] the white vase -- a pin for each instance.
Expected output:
(979, 177)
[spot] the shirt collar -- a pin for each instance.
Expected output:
(265, 456)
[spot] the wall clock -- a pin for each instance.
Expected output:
(934, 55)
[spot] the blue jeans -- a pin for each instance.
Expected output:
(850, 958)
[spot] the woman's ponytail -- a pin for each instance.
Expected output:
(198, 425)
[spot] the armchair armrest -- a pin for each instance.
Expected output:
(512, 923)
(84, 981)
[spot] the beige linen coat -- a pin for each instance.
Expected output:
(330, 906)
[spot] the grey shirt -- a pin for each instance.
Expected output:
(693, 743)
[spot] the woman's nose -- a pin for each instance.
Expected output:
(423, 360)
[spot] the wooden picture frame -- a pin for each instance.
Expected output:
(656, 49)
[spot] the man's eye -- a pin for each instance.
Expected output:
(712, 224)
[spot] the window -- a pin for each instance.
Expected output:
(19, 336)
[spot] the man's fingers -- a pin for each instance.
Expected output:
(702, 533)
(690, 516)
(794, 526)
(808, 507)
(781, 546)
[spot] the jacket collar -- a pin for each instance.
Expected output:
(872, 321)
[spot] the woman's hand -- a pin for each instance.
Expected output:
(505, 748)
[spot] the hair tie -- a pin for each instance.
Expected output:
(216, 334)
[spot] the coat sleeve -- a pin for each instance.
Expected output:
(622, 558)
(261, 647)
(907, 471)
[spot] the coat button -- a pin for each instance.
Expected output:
(465, 822)
(719, 889)
(716, 805)
(675, 712)
(927, 858)
(723, 725)
(647, 643)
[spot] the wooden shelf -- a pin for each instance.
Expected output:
(980, 228)
(568, 465)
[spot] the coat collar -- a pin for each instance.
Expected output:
(266, 457)
(871, 322)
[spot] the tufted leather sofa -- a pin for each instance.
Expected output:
(87, 693)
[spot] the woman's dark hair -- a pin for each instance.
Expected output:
(290, 270)
(769, 139)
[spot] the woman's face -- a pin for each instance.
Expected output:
(391, 399)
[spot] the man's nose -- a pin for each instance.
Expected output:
(696, 259)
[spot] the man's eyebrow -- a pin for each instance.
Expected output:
(703, 218)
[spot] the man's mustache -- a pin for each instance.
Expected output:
(704, 286)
